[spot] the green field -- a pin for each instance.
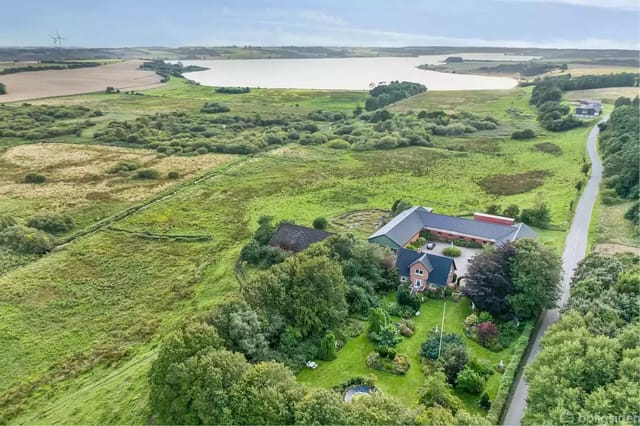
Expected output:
(80, 325)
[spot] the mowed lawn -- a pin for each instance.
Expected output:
(351, 358)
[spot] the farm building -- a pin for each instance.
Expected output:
(295, 238)
(406, 227)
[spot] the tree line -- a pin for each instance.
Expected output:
(526, 69)
(49, 67)
(587, 370)
(620, 147)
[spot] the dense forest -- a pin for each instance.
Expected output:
(386, 94)
(587, 370)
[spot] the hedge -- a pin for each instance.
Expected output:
(506, 381)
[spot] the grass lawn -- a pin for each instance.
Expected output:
(351, 358)
(610, 231)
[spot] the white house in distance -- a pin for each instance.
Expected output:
(588, 108)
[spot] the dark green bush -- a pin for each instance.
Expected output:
(26, 240)
(173, 175)
(124, 166)
(399, 365)
(147, 174)
(484, 401)
(320, 223)
(264, 256)
(53, 223)
(523, 134)
(338, 144)
(34, 177)
(469, 381)
(214, 108)
(429, 348)
(405, 298)
(451, 251)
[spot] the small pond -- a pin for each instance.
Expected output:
(358, 390)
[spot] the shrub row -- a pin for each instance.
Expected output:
(506, 381)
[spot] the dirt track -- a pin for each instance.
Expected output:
(44, 84)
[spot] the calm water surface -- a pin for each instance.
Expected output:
(346, 73)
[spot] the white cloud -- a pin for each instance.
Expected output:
(321, 17)
(631, 5)
(286, 34)
(315, 28)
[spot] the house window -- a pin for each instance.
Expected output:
(419, 272)
(418, 283)
(403, 279)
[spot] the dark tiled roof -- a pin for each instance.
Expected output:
(441, 268)
(296, 238)
(404, 259)
(476, 228)
(524, 232)
(439, 265)
(404, 226)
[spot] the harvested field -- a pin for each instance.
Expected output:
(609, 94)
(44, 84)
(513, 184)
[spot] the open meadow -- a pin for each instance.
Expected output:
(81, 325)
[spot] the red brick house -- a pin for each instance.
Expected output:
(423, 271)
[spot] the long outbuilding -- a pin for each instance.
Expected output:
(406, 227)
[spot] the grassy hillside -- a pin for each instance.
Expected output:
(81, 324)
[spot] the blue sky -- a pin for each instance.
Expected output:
(526, 23)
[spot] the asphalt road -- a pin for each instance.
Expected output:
(575, 250)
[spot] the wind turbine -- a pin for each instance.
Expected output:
(59, 38)
(55, 40)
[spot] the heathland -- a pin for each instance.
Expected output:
(81, 324)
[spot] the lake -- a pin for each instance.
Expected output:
(346, 73)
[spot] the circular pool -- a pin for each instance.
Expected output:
(358, 390)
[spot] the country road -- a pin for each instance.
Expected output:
(575, 249)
